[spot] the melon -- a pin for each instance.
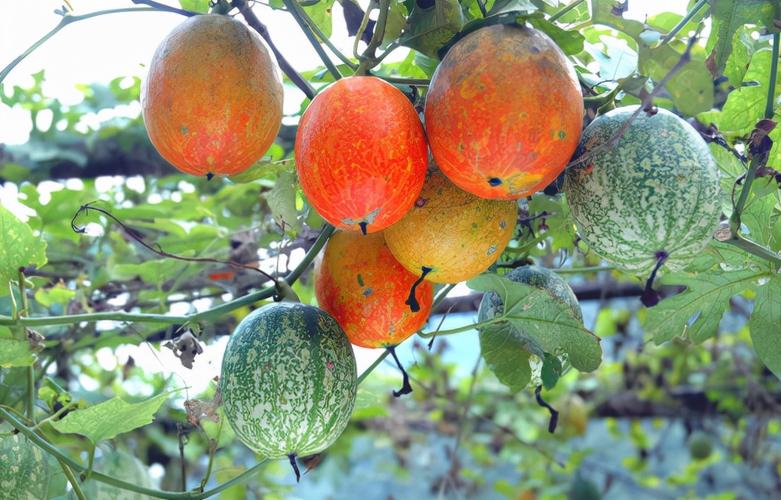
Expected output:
(361, 154)
(655, 193)
(504, 112)
(119, 465)
(212, 101)
(451, 235)
(366, 289)
(24, 468)
(288, 380)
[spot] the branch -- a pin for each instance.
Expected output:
(166, 8)
(66, 20)
(306, 24)
(253, 21)
(369, 59)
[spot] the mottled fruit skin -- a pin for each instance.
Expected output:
(119, 465)
(361, 154)
(491, 305)
(455, 234)
(24, 470)
(212, 101)
(504, 112)
(288, 380)
(656, 190)
(361, 284)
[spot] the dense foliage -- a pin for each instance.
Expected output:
(121, 278)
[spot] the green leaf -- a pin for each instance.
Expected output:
(602, 14)
(14, 352)
(728, 16)
(765, 324)
(58, 294)
(506, 354)
(428, 30)
(110, 418)
(520, 6)
(320, 13)
(551, 371)
(20, 248)
(743, 48)
(537, 317)
(397, 18)
(282, 200)
(697, 311)
(571, 42)
(201, 6)
(691, 87)
(261, 169)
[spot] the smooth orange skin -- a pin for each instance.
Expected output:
(361, 284)
(454, 233)
(361, 154)
(212, 101)
(504, 112)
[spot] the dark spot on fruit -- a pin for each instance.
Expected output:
(420, 202)
(502, 224)
(562, 134)
(368, 292)
(495, 181)
(535, 50)
(363, 225)
(360, 280)
(474, 225)
(184, 130)
(330, 365)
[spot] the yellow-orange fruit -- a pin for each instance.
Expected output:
(361, 284)
(361, 154)
(453, 234)
(504, 112)
(212, 101)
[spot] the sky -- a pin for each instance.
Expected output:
(104, 47)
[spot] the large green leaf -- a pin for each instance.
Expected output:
(13, 351)
(570, 41)
(602, 13)
(697, 311)
(507, 355)
(320, 13)
(201, 6)
(19, 248)
(548, 324)
(765, 324)
(282, 200)
(429, 29)
(728, 16)
(691, 87)
(110, 418)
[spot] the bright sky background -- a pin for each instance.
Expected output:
(105, 47)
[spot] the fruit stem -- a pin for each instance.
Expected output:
(683, 22)
(554, 414)
(298, 14)
(558, 15)
(406, 388)
(412, 301)
(650, 297)
(369, 58)
(294, 465)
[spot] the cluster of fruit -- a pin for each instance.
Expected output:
(503, 117)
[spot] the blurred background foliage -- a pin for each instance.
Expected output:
(676, 420)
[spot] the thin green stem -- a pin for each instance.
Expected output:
(558, 15)
(442, 294)
(362, 28)
(369, 58)
(298, 13)
(374, 365)
(464, 328)
(75, 484)
(49, 448)
(66, 20)
(209, 314)
(771, 90)
(754, 249)
(30, 399)
(689, 15)
(53, 416)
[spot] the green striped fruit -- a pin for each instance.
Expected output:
(288, 380)
(24, 469)
(656, 190)
(119, 465)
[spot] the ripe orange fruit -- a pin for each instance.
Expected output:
(361, 284)
(504, 112)
(454, 234)
(361, 154)
(212, 101)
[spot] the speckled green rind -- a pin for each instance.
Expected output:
(656, 190)
(538, 277)
(24, 469)
(288, 380)
(119, 465)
